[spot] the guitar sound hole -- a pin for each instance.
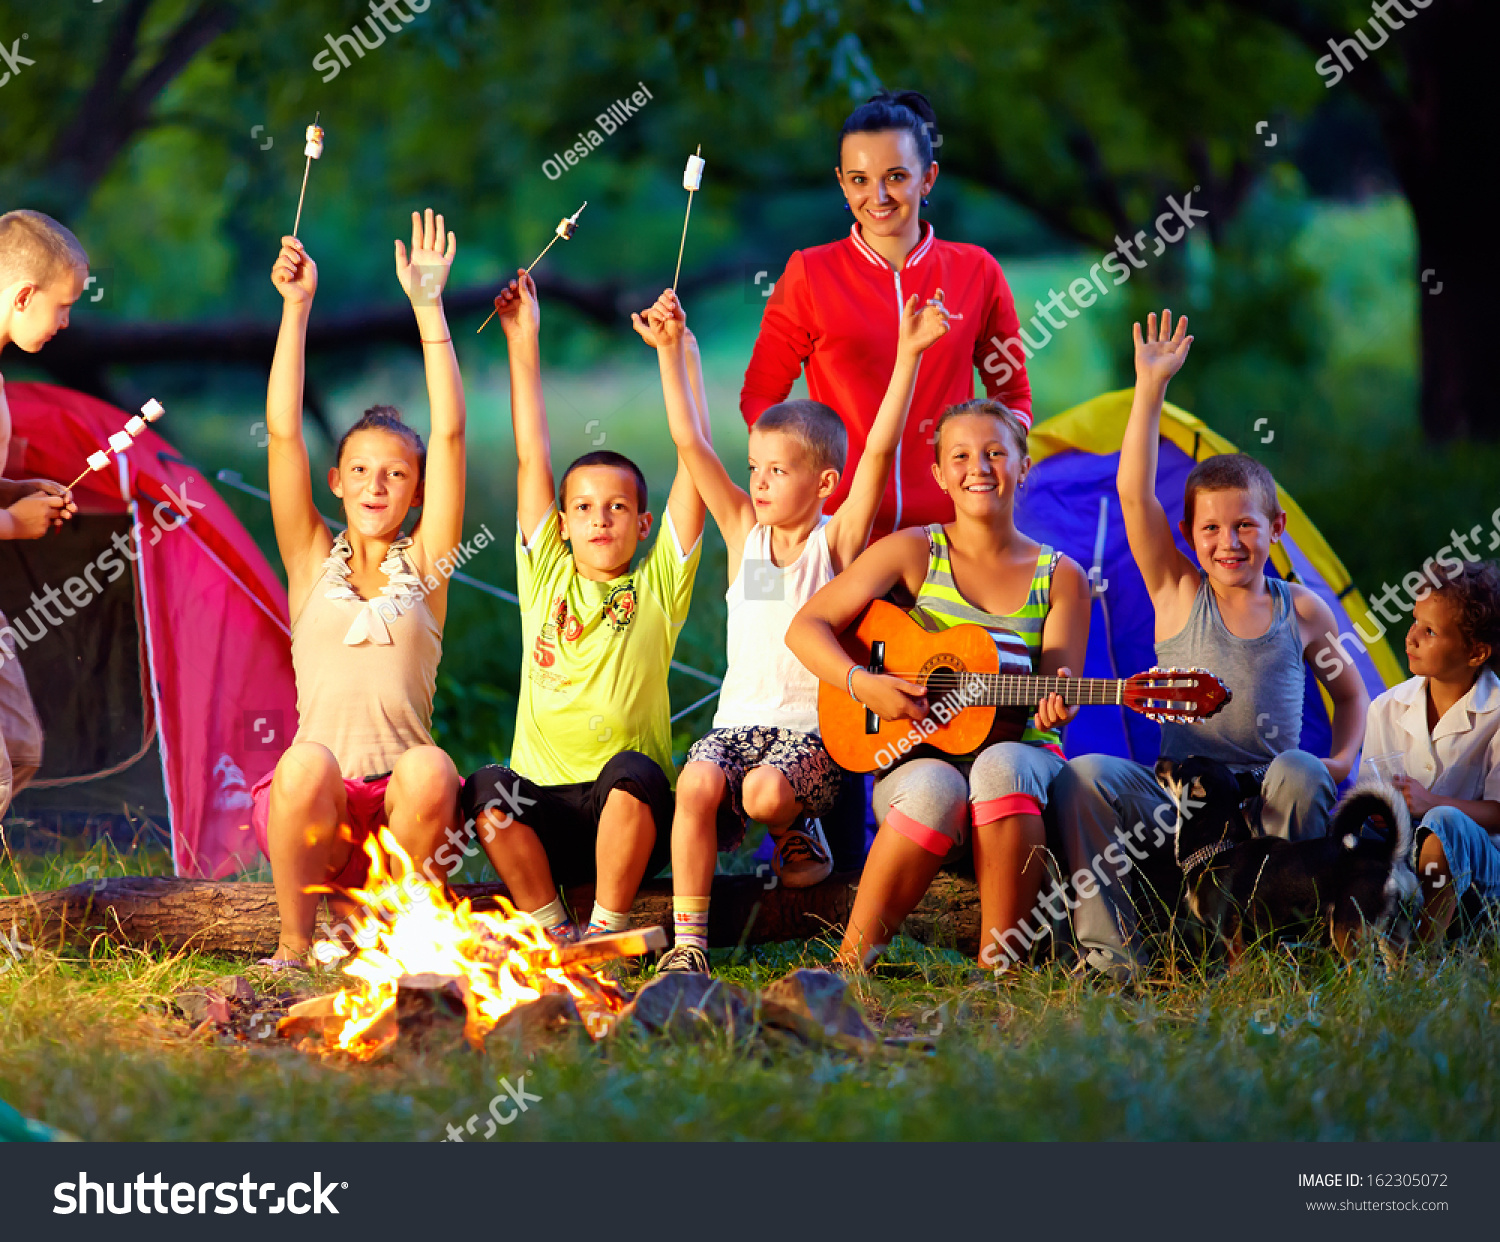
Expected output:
(942, 683)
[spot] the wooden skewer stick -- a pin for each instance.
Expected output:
(686, 217)
(565, 229)
(306, 168)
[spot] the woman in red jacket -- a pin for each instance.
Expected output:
(837, 309)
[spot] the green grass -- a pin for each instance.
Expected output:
(1285, 1048)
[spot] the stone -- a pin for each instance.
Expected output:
(535, 1024)
(815, 1005)
(690, 1004)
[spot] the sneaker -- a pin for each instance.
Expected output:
(802, 857)
(683, 959)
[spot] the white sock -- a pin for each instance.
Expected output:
(602, 920)
(552, 914)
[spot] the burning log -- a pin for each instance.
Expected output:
(239, 917)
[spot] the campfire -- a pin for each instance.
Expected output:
(412, 939)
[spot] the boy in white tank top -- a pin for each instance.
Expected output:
(763, 760)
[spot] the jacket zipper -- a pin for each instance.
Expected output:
(900, 303)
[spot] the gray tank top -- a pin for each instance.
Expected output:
(1264, 676)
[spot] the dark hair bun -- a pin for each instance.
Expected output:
(886, 110)
(915, 100)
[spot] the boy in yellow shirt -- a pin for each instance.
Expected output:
(588, 792)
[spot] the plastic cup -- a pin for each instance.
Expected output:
(1385, 768)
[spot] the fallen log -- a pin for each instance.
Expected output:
(239, 917)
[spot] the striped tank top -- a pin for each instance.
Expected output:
(1018, 635)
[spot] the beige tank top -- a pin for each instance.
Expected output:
(366, 669)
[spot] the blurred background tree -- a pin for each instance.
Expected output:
(168, 134)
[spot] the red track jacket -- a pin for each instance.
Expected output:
(837, 310)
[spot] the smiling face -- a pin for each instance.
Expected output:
(1232, 535)
(786, 485)
(979, 464)
(884, 181)
(602, 520)
(36, 314)
(1435, 643)
(379, 480)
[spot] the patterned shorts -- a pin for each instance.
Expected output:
(799, 757)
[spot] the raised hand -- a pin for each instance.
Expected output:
(294, 274)
(662, 323)
(922, 323)
(518, 309)
(1159, 356)
(424, 275)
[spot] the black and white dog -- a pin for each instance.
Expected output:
(1242, 886)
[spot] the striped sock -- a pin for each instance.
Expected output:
(690, 921)
(602, 920)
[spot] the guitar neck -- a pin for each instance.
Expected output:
(1021, 690)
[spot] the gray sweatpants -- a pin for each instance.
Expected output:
(1110, 815)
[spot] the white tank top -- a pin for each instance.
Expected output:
(765, 683)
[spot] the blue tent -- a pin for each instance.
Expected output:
(1070, 501)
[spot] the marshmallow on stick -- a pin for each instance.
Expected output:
(692, 180)
(314, 151)
(565, 229)
(121, 440)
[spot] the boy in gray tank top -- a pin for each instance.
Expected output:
(1221, 613)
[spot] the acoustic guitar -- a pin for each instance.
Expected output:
(970, 702)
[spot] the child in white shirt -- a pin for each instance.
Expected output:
(1442, 730)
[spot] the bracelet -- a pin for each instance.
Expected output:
(849, 681)
(444, 341)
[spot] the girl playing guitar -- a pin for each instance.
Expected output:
(1035, 602)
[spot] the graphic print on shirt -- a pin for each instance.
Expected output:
(619, 607)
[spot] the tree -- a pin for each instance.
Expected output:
(1088, 113)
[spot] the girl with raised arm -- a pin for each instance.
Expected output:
(367, 606)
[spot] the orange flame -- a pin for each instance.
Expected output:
(408, 925)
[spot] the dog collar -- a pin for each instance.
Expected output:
(1198, 857)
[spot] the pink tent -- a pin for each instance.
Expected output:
(204, 675)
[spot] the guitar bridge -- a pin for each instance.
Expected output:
(876, 665)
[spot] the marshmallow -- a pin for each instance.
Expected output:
(566, 227)
(152, 410)
(120, 441)
(99, 460)
(314, 147)
(692, 175)
(136, 425)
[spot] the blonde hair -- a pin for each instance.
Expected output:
(982, 407)
(36, 248)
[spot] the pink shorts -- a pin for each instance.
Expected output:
(366, 814)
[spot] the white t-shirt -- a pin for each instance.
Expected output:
(1460, 758)
(764, 683)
